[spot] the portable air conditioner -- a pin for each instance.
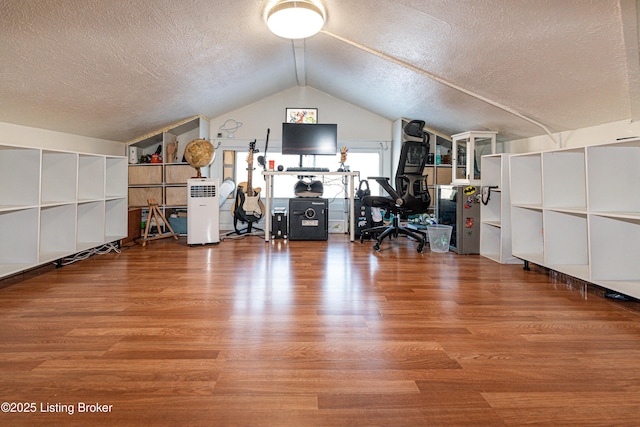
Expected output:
(203, 211)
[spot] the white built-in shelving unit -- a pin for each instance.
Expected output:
(576, 211)
(54, 204)
(495, 216)
(164, 181)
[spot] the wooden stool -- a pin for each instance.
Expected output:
(154, 212)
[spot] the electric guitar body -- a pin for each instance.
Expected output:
(248, 207)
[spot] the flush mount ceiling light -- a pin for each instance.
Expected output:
(295, 19)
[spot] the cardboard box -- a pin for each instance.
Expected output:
(444, 175)
(176, 196)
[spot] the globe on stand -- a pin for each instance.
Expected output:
(199, 153)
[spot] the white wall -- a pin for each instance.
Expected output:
(41, 138)
(354, 123)
(356, 128)
(594, 135)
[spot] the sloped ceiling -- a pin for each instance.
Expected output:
(117, 69)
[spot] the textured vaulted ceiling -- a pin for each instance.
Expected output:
(119, 68)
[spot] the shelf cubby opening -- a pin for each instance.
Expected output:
(91, 219)
(19, 236)
(565, 179)
(614, 249)
(115, 228)
(492, 212)
(116, 177)
(57, 232)
(91, 176)
(491, 170)
(59, 177)
(566, 245)
(614, 177)
(20, 177)
(528, 234)
(526, 180)
(490, 241)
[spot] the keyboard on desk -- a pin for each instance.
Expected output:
(306, 169)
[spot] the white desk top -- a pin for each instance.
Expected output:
(268, 175)
(310, 173)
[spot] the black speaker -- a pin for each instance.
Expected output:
(363, 217)
(279, 223)
(308, 219)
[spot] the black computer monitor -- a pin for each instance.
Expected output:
(309, 139)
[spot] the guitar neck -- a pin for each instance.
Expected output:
(249, 189)
(249, 179)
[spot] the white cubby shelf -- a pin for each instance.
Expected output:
(56, 203)
(585, 220)
(495, 215)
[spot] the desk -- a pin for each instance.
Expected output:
(269, 175)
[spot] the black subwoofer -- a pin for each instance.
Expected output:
(308, 219)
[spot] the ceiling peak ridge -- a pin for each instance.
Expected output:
(299, 61)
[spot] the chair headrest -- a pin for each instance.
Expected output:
(414, 128)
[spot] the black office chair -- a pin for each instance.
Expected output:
(410, 195)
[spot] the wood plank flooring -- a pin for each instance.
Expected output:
(248, 333)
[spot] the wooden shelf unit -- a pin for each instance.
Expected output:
(164, 182)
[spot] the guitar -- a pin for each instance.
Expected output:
(248, 207)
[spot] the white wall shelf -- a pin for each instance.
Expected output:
(54, 204)
(585, 220)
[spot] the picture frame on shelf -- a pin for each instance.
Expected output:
(301, 115)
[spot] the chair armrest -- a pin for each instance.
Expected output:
(384, 183)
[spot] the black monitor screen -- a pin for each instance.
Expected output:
(311, 139)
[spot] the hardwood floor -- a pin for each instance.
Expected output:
(246, 333)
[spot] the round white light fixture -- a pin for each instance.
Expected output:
(295, 19)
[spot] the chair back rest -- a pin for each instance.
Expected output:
(410, 183)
